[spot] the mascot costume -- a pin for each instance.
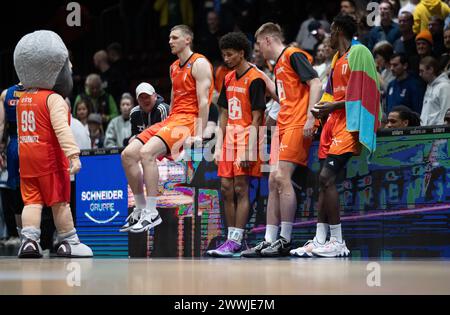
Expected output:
(48, 152)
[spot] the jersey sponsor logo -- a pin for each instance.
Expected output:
(236, 89)
(283, 147)
(279, 70)
(234, 109)
(281, 91)
(29, 139)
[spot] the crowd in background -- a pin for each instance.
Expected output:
(410, 42)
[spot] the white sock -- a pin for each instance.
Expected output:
(336, 232)
(286, 230)
(271, 233)
(140, 202)
(151, 203)
(322, 232)
(237, 235)
(230, 233)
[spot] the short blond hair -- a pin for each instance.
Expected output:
(186, 30)
(270, 29)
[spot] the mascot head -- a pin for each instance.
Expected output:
(42, 61)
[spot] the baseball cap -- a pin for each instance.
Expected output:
(145, 88)
(95, 118)
(314, 27)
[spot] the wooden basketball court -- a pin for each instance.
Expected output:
(223, 276)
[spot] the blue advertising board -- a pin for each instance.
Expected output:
(102, 204)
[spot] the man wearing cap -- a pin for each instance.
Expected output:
(424, 44)
(192, 88)
(151, 109)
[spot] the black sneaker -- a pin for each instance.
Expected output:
(279, 248)
(255, 252)
(30, 249)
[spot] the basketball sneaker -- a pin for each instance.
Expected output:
(148, 220)
(131, 220)
(255, 252)
(332, 249)
(226, 250)
(279, 248)
(305, 251)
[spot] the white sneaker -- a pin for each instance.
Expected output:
(149, 219)
(305, 251)
(332, 249)
(132, 219)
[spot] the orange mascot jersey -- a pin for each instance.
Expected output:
(43, 165)
(180, 123)
(244, 95)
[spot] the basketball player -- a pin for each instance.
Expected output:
(298, 90)
(192, 88)
(242, 103)
(340, 138)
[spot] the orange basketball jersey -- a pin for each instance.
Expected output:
(39, 150)
(184, 87)
(239, 106)
(293, 94)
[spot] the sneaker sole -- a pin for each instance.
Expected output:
(122, 230)
(256, 255)
(343, 254)
(72, 256)
(305, 255)
(30, 256)
(148, 227)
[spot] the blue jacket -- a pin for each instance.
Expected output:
(409, 92)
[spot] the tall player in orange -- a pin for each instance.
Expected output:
(46, 142)
(192, 88)
(242, 102)
(353, 87)
(298, 90)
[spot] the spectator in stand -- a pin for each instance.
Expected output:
(425, 10)
(388, 30)
(96, 131)
(447, 118)
(83, 110)
(319, 63)
(305, 39)
(406, 89)
(151, 109)
(383, 52)
(316, 29)
(118, 79)
(102, 102)
(119, 129)
(101, 63)
(437, 96)
(445, 58)
(402, 117)
(409, 7)
(407, 42)
(348, 7)
(208, 39)
(436, 28)
(424, 44)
